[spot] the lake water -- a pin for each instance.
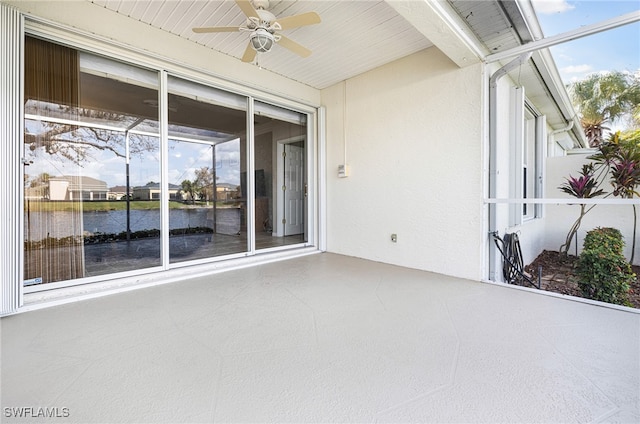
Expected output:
(39, 225)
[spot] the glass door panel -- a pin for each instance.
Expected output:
(207, 150)
(89, 140)
(280, 176)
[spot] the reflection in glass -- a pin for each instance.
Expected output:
(90, 140)
(206, 156)
(93, 186)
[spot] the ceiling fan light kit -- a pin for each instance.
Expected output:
(263, 26)
(261, 40)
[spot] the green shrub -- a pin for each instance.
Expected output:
(603, 272)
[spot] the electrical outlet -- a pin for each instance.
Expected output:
(394, 238)
(343, 171)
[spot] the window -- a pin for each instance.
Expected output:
(527, 134)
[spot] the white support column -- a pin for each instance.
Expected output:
(321, 195)
(250, 215)
(163, 117)
(11, 166)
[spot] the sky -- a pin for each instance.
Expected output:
(617, 49)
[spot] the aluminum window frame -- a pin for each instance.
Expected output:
(130, 55)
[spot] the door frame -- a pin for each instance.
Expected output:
(279, 195)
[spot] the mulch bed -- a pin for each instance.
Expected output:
(558, 275)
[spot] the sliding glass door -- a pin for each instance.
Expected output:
(207, 155)
(107, 194)
(91, 138)
(281, 190)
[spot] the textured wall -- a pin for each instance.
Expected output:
(414, 147)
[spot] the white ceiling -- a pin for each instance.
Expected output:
(359, 35)
(353, 37)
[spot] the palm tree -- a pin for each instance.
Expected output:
(604, 98)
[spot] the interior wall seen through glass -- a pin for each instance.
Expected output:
(281, 186)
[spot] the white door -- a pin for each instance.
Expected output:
(294, 190)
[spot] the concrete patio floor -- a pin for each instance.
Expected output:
(322, 338)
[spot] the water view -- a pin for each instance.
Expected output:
(60, 224)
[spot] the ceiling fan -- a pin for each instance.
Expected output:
(264, 28)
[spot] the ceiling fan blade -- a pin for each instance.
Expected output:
(247, 8)
(296, 21)
(293, 46)
(215, 29)
(249, 53)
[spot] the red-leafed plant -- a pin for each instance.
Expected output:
(621, 155)
(583, 187)
(618, 161)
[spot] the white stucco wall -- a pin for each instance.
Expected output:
(413, 138)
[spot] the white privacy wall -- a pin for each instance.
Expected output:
(413, 134)
(561, 217)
